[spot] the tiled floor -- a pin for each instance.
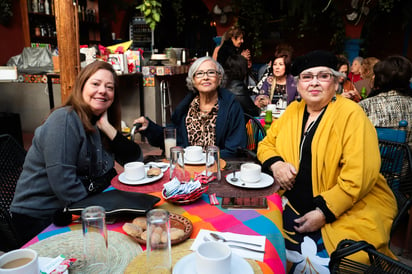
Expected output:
(397, 240)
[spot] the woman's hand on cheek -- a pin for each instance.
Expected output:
(104, 125)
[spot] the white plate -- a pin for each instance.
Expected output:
(265, 181)
(200, 162)
(187, 265)
(143, 181)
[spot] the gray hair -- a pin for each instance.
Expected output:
(358, 58)
(195, 66)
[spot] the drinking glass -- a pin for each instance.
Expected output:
(158, 245)
(177, 163)
(95, 239)
(169, 139)
(213, 164)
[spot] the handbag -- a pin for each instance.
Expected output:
(116, 203)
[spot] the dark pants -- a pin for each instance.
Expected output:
(27, 227)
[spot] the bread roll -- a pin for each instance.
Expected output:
(141, 222)
(132, 230)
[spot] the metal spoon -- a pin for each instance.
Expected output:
(219, 237)
(234, 179)
(206, 239)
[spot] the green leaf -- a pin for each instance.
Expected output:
(156, 17)
(147, 12)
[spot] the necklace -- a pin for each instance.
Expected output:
(307, 132)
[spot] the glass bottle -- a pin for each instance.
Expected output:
(35, 6)
(363, 93)
(268, 120)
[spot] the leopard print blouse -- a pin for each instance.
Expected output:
(201, 127)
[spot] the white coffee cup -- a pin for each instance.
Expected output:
(271, 107)
(250, 172)
(134, 171)
(20, 261)
(194, 153)
(213, 257)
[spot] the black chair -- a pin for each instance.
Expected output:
(255, 132)
(379, 263)
(12, 156)
(396, 167)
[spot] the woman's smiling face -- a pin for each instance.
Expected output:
(98, 91)
(317, 93)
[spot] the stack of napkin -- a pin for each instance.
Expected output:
(174, 187)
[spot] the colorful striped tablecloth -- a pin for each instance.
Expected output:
(203, 215)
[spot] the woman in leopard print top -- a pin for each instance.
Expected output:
(209, 115)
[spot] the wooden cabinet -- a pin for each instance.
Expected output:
(39, 25)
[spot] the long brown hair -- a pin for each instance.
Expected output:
(82, 109)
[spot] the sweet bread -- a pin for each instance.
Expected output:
(132, 229)
(154, 171)
(140, 222)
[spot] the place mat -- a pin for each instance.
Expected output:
(157, 186)
(224, 189)
(138, 265)
(122, 249)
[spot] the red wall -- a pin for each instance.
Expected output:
(12, 41)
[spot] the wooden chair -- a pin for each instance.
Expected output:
(12, 156)
(379, 263)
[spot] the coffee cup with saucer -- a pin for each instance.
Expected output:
(250, 173)
(194, 153)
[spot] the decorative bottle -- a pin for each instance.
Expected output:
(46, 7)
(35, 6)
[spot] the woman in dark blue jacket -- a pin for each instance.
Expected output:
(208, 116)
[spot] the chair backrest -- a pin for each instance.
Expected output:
(255, 132)
(396, 167)
(12, 156)
(379, 262)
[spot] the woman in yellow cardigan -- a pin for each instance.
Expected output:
(323, 153)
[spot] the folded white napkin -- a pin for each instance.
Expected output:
(204, 235)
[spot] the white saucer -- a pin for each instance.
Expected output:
(143, 181)
(265, 181)
(187, 265)
(200, 162)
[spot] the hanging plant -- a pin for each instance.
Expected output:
(151, 10)
(5, 11)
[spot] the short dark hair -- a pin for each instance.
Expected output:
(393, 73)
(236, 68)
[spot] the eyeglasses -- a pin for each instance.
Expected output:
(209, 73)
(321, 76)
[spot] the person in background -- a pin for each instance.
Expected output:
(232, 45)
(354, 74)
(208, 116)
(235, 82)
(281, 49)
(366, 72)
(346, 87)
(279, 83)
(216, 50)
(390, 100)
(73, 152)
(324, 156)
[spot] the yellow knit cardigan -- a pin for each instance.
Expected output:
(345, 171)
